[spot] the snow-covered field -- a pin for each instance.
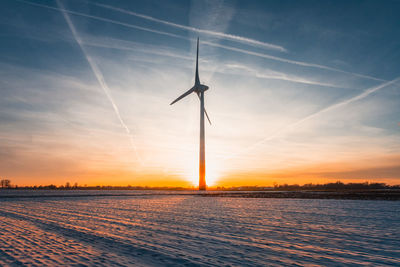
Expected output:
(178, 230)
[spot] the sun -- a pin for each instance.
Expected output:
(212, 173)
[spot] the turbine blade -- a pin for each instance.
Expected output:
(208, 118)
(205, 111)
(191, 90)
(197, 63)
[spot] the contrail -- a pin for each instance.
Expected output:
(62, 9)
(280, 59)
(114, 44)
(273, 75)
(193, 29)
(100, 79)
(329, 108)
(235, 38)
(294, 62)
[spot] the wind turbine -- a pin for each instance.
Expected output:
(199, 89)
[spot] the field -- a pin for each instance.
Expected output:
(167, 228)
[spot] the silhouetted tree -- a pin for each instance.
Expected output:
(5, 183)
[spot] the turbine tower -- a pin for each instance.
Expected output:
(199, 89)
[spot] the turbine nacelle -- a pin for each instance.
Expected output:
(200, 88)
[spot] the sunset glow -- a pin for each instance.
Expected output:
(86, 89)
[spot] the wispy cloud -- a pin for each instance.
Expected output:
(238, 39)
(118, 44)
(100, 79)
(289, 61)
(241, 69)
(221, 35)
(291, 126)
(66, 11)
(229, 68)
(235, 49)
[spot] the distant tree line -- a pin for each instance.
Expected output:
(337, 186)
(6, 184)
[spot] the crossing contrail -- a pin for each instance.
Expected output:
(290, 61)
(100, 78)
(244, 51)
(222, 35)
(236, 38)
(128, 25)
(132, 46)
(287, 128)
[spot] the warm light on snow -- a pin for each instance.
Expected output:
(178, 230)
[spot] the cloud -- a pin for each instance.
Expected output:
(228, 68)
(289, 61)
(244, 51)
(289, 127)
(345, 171)
(65, 11)
(241, 69)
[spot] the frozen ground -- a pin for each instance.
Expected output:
(176, 230)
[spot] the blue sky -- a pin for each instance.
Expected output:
(300, 91)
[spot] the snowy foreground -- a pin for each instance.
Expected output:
(176, 230)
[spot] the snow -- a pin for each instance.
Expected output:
(180, 230)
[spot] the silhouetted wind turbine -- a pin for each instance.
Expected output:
(199, 89)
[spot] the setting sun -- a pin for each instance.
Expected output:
(191, 171)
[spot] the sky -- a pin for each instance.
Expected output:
(300, 91)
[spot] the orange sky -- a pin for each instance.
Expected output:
(56, 170)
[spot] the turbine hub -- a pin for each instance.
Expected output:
(201, 88)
